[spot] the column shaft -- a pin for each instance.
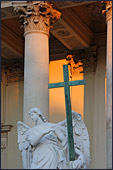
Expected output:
(36, 74)
(109, 94)
(109, 84)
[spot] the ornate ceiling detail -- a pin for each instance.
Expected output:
(82, 61)
(74, 34)
(67, 4)
(37, 15)
(7, 13)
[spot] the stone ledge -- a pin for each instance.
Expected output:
(5, 128)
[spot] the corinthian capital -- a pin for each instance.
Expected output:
(108, 9)
(36, 15)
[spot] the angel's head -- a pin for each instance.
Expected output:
(36, 114)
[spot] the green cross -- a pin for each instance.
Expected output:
(66, 84)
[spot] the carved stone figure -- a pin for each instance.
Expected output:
(45, 146)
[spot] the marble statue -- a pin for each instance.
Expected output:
(45, 145)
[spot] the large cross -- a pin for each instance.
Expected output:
(66, 84)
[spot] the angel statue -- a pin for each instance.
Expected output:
(45, 145)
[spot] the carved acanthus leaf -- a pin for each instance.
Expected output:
(83, 61)
(107, 8)
(37, 15)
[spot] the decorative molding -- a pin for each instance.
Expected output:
(74, 35)
(37, 15)
(15, 71)
(95, 10)
(5, 128)
(4, 135)
(107, 8)
(82, 61)
(3, 142)
(7, 12)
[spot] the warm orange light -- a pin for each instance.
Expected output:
(56, 96)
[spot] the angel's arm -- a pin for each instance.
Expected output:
(35, 134)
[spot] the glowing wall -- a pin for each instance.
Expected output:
(56, 96)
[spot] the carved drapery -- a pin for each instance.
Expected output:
(82, 61)
(37, 15)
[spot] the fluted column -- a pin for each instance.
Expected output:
(108, 11)
(37, 18)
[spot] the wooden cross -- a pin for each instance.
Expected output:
(66, 84)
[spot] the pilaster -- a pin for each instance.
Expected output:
(108, 12)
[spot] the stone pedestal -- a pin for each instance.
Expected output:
(37, 20)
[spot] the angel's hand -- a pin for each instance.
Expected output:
(79, 162)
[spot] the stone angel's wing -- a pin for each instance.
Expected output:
(81, 137)
(24, 145)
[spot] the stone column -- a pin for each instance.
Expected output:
(108, 11)
(37, 18)
(109, 84)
